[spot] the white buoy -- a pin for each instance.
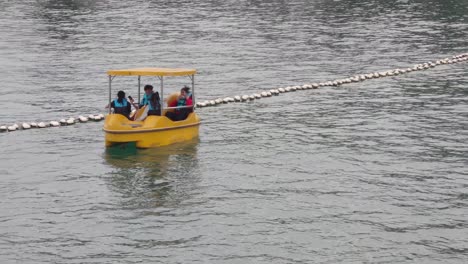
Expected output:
(63, 122)
(91, 117)
(257, 96)
(264, 94)
(41, 125)
(237, 98)
(3, 128)
(101, 116)
(219, 101)
(281, 90)
(315, 85)
(83, 119)
(212, 103)
(11, 128)
(33, 125)
(25, 126)
(287, 89)
(245, 98)
(252, 97)
(70, 121)
(97, 118)
(54, 123)
(226, 100)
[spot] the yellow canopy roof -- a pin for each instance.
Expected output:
(152, 72)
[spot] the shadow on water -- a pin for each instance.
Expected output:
(148, 178)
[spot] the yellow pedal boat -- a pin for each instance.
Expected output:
(153, 131)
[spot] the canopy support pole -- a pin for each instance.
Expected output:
(162, 94)
(193, 89)
(139, 85)
(110, 93)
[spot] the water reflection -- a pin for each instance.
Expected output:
(153, 177)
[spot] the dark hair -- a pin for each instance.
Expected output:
(121, 96)
(148, 87)
(186, 89)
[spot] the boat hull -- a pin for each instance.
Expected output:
(154, 131)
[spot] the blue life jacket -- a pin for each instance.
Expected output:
(121, 108)
(181, 102)
(147, 101)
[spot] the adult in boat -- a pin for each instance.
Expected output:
(121, 105)
(184, 99)
(151, 99)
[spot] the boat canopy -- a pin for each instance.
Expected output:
(152, 72)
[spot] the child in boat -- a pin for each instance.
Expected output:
(151, 99)
(121, 105)
(184, 99)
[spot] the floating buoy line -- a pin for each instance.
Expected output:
(337, 82)
(62, 122)
(245, 98)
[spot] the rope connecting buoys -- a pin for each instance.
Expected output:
(338, 82)
(245, 98)
(62, 122)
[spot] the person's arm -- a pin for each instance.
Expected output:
(133, 103)
(142, 103)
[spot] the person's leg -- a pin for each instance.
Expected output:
(154, 112)
(171, 115)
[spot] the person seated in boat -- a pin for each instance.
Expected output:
(184, 99)
(121, 105)
(151, 99)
